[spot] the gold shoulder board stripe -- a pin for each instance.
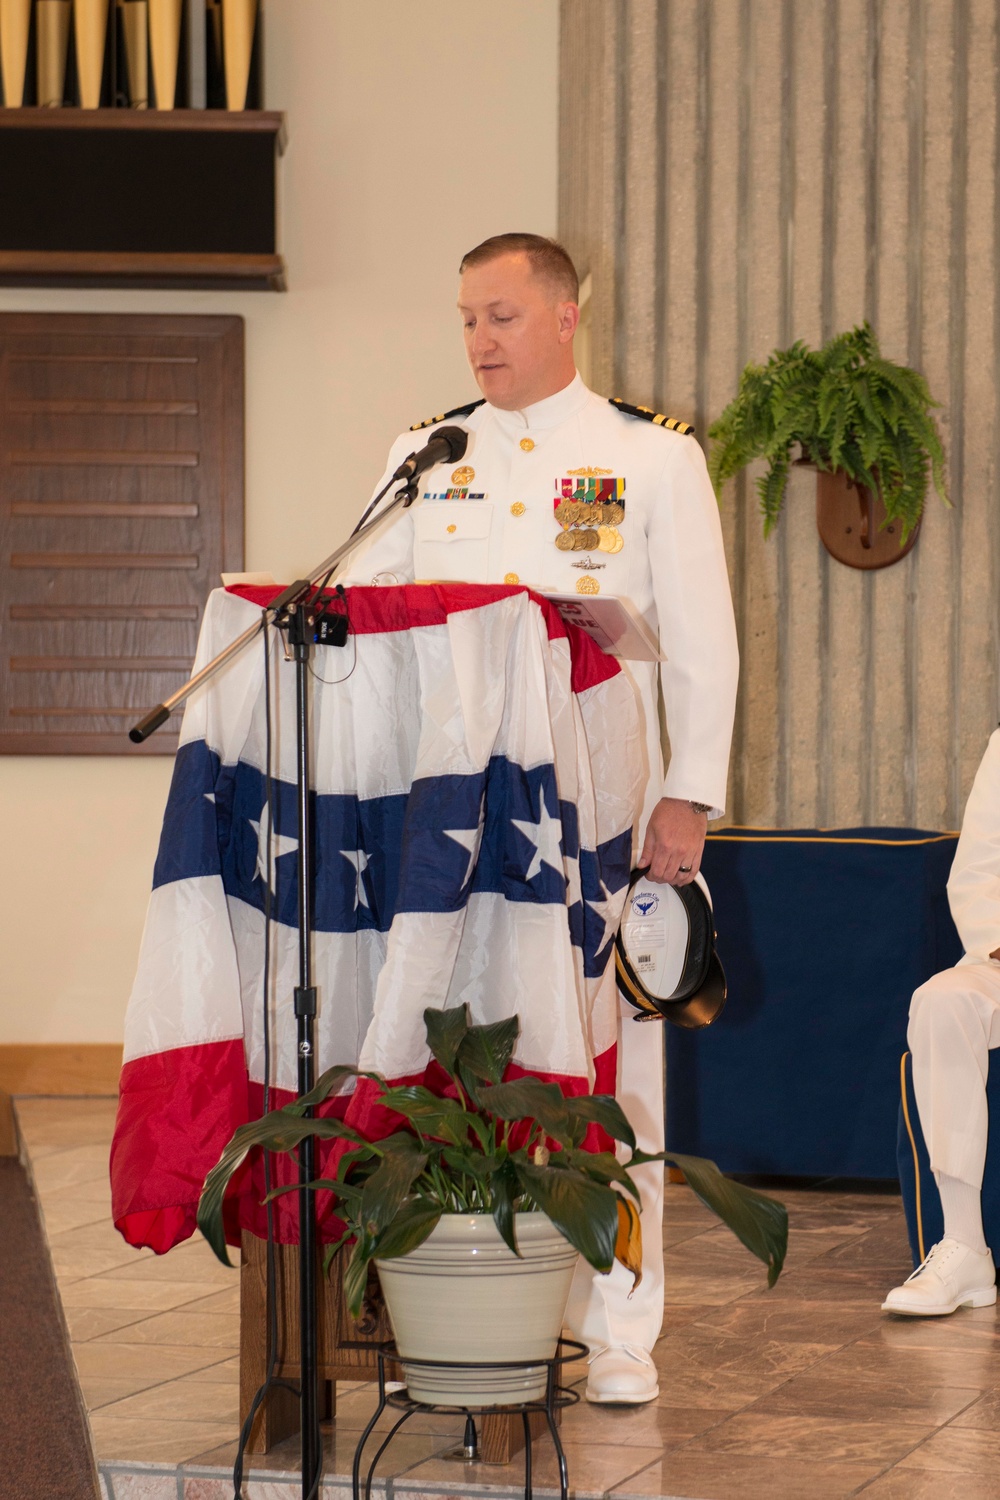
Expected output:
(656, 417)
(456, 411)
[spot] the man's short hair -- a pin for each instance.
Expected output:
(548, 260)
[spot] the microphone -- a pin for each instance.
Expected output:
(447, 446)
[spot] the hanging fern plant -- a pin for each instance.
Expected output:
(846, 408)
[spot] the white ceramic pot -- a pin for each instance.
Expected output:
(462, 1295)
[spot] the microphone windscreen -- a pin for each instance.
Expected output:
(457, 439)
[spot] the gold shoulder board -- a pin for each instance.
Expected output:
(656, 417)
(456, 411)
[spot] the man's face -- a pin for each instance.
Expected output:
(518, 334)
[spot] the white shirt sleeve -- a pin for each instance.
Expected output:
(697, 630)
(389, 549)
(974, 883)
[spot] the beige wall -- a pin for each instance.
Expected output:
(741, 173)
(415, 130)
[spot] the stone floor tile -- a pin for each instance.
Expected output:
(912, 1484)
(65, 1169)
(958, 1450)
(862, 1399)
(144, 1296)
(825, 1439)
(122, 1361)
(85, 1323)
(212, 1330)
(681, 1475)
(155, 1442)
(593, 1470)
(146, 1483)
(183, 1400)
(227, 1371)
(835, 1323)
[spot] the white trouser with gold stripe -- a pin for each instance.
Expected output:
(954, 1024)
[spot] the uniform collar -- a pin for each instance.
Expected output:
(548, 413)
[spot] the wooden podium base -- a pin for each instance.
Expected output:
(346, 1351)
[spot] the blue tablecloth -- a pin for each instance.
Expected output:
(824, 936)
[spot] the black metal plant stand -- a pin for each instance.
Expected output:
(556, 1396)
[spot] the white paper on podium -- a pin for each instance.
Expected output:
(613, 622)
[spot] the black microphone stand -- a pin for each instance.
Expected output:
(295, 611)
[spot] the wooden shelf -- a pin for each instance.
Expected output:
(147, 198)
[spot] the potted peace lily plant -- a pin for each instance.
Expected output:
(476, 1208)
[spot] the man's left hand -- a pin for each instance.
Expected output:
(675, 838)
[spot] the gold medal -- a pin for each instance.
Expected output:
(587, 540)
(464, 475)
(588, 585)
(565, 513)
(566, 541)
(612, 541)
(614, 514)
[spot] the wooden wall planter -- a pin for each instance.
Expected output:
(157, 198)
(851, 522)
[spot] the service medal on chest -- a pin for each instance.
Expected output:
(589, 506)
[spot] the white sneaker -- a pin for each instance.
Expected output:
(621, 1374)
(952, 1276)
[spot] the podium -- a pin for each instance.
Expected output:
(473, 754)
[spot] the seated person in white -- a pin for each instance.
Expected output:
(954, 1022)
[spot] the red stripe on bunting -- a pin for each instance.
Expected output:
(407, 606)
(177, 1111)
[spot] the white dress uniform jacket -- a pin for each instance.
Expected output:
(974, 882)
(491, 519)
(499, 526)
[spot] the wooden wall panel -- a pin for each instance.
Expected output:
(121, 500)
(801, 165)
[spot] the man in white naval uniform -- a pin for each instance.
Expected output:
(538, 435)
(954, 1022)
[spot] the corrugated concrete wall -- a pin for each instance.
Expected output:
(736, 174)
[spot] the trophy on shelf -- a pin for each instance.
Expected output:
(135, 40)
(164, 48)
(51, 44)
(15, 30)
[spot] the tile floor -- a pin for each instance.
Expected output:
(803, 1393)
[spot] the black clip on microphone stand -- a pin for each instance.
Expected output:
(295, 611)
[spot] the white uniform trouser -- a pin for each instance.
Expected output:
(604, 1309)
(954, 1023)
(600, 1309)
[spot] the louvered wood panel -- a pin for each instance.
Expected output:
(121, 501)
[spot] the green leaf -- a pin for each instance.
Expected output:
(390, 1183)
(279, 1130)
(330, 1250)
(600, 1164)
(530, 1099)
(506, 1191)
(356, 1276)
(328, 1083)
(332, 1185)
(760, 1222)
(485, 1051)
(411, 1226)
(429, 1113)
(445, 1031)
(585, 1211)
(603, 1110)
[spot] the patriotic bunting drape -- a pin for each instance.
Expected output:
(476, 771)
